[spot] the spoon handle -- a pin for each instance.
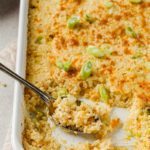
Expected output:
(42, 94)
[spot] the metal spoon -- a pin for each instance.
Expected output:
(44, 96)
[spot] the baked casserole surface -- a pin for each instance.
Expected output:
(96, 49)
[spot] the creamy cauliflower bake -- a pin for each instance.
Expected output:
(96, 49)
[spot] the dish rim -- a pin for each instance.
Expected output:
(17, 118)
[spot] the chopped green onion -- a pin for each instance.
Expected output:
(135, 1)
(86, 70)
(93, 50)
(104, 50)
(129, 31)
(39, 40)
(62, 92)
(147, 65)
(73, 22)
(65, 66)
(108, 4)
(103, 93)
(59, 64)
(89, 18)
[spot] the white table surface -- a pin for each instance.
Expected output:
(8, 34)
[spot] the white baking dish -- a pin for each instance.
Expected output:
(17, 122)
